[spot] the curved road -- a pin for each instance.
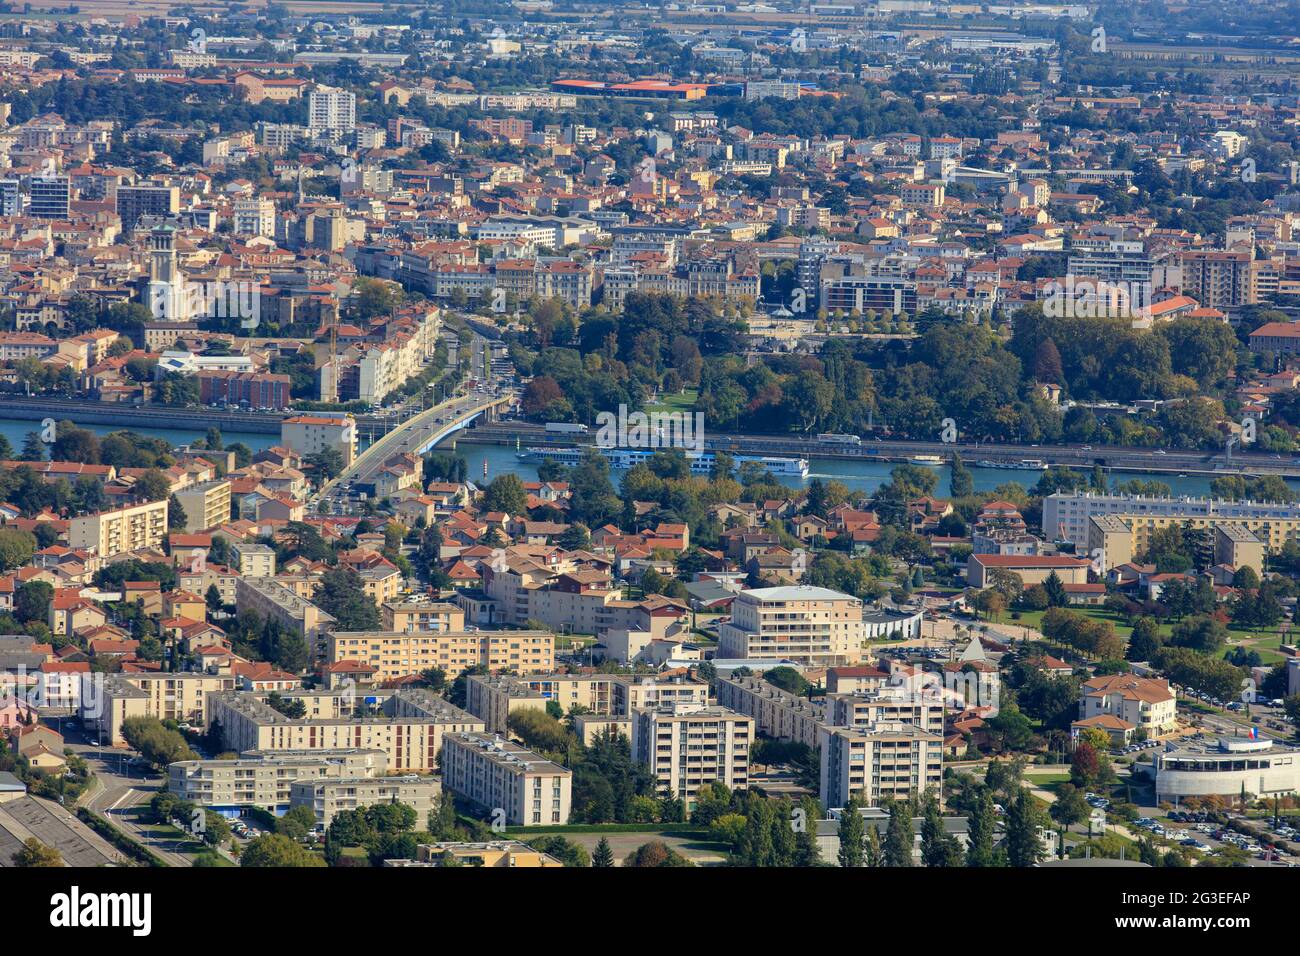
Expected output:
(415, 435)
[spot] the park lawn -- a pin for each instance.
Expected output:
(683, 401)
(1046, 781)
(572, 641)
(1265, 643)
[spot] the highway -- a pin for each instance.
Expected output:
(1154, 460)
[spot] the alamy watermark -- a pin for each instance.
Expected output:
(1092, 298)
(624, 429)
(181, 300)
(955, 689)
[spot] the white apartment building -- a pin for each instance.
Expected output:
(516, 786)
(264, 780)
(814, 626)
(332, 110)
(313, 434)
(688, 746)
(327, 798)
(878, 762)
(254, 217)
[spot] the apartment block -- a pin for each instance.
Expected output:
(1110, 539)
(814, 626)
(414, 617)
(635, 692)
(396, 654)
(1066, 515)
(206, 504)
(272, 600)
(495, 697)
(1238, 547)
(136, 202)
(1217, 279)
(590, 726)
(518, 787)
(313, 434)
(264, 780)
(408, 726)
(107, 700)
(331, 110)
(878, 762)
(253, 559)
(110, 533)
(776, 712)
(326, 798)
(688, 746)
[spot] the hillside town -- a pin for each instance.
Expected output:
(746, 435)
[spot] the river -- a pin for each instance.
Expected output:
(16, 431)
(862, 476)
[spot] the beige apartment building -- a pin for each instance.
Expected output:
(495, 697)
(590, 726)
(1110, 540)
(206, 504)
(864, 737)
(253, 559)
(409, 727)
(313, 434)
(1237, 540)
(634, 692)
(888, 705)
(814, 626)
(107, 700)
(688, 746)
(422, 617)
(1238, 547)
(326, 798)
(516, 786)
(776, 712)
(273, 601)
(1142, 703)
(575, 602)
(264, 780)
(395, 654)
(110, 533)
(381, 583)
(878, 762)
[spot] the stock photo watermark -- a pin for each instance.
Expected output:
(180, 300)
(641, 430)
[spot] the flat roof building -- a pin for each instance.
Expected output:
(816, 626)
(1228, 767)
(132, 528)
(516, 786)
(688, 746)
(408, 725)
(263, 780)
(878, 762)
(327, 797)
(206, 504)
(107, 700)
(396, 654)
